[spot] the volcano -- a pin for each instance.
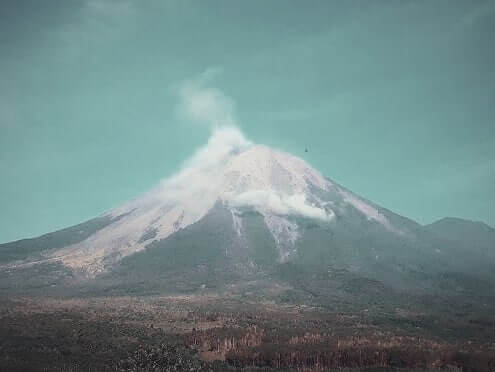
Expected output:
(240, 216)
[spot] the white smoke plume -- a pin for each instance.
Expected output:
(279, 203)
(205, 104)
(201, 181)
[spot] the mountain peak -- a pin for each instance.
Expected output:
(261, 167)
(458, 226)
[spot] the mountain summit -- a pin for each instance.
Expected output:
(235, 212)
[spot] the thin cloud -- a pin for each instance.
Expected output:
(109, 8)
(478, 13)
(98, 24)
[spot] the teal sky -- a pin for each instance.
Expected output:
(393, 99)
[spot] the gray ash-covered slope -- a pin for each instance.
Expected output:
(250, 214)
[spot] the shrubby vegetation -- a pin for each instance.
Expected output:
(203, 333)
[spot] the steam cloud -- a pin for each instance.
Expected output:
(279, 203)
(205, 104)
(199, 180)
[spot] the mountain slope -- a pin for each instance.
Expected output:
(477, 235)
(35, 247)
(240, 213)
(275, 184)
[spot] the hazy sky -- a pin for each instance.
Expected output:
(393, 99)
